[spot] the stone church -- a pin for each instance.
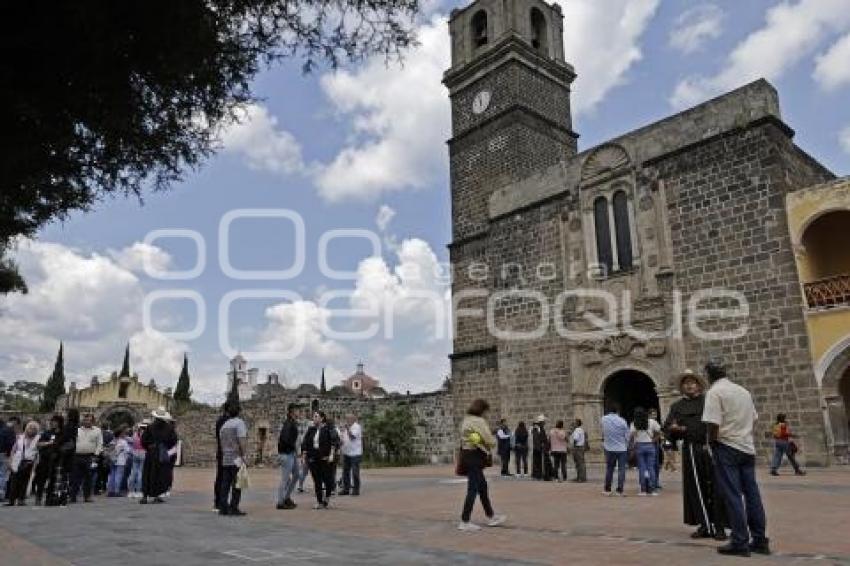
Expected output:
(551, 244)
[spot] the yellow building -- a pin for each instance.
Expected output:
(819, 223)
(121, 399)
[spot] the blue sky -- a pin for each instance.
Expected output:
(346, 150)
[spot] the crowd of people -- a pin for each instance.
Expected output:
(314, 446)
(712, 426)
(67, 457)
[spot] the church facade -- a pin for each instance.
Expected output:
(581, 277)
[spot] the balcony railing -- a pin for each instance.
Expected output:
(829, 292)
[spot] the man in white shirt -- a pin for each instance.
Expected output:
(352, 455)
(89, 445)
(615, 441)
(578, 440)
(730, 415)
(232, 436)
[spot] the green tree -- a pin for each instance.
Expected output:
(392, 433)
(111, 97)
(55, 386)
(233, 394)
(182, 393)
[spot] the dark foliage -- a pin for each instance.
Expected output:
(105, 98)
(55, 383)
(182, 392)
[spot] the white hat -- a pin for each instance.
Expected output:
(540, 418)
(161, 414)
(145, 422)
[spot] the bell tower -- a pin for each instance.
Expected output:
(510, 93)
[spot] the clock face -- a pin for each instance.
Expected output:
(481, 101)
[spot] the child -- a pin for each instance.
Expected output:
(119, 463)
(24, 456)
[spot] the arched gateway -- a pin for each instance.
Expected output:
(630, 389)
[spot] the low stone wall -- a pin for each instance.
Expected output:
(432, 415)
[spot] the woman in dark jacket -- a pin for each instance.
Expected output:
(157, 440)
(319, 451)
(521, 449)
(47, 457)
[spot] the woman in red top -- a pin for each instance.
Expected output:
(783, 445)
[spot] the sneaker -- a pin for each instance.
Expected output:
(468, 527)
(279, 506)
(800, 473)
(317, 506)
(774, 473)
(496, 520)
(621, 494)
(654, 494)
(641, 494)
(289, 504)
(608, 493)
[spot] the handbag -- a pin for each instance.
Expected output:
(460, 467)
(793, 448)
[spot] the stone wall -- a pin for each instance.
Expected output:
(728, 221)
(432, 415)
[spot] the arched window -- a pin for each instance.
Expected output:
(479, 28)
(538, 30)
(622, 230)
(604, 255)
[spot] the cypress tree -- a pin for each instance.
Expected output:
(233, 394)
(182, 392)
(55, 383)
(125, 369)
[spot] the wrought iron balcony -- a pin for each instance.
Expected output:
(829, 292)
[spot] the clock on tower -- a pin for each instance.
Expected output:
(510, 93)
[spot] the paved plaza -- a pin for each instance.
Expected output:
(410, 516)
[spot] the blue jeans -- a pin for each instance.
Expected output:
(646, 459)
(4, 474)
(116, 475)
(303, 469)
(134, 484)
(289, 474)
(781, 448)
(736, 480)
(620, 460)
(351, 473)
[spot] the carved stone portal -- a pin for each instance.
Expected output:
(593, 352)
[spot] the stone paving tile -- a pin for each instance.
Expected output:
(408, 516)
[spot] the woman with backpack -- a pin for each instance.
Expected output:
(784, 446)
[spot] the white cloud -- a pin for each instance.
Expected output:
(384, 217)
(791, 33)
(400, 121)
(257, 137)
(696, 26)
(602, 58)
(89, 301)
(140, 254)
(409, 293)
(844, 139)
(832, 69)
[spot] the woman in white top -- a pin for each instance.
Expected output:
(24, 457)
(644, 436)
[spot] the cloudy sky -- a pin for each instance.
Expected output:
(362, 150)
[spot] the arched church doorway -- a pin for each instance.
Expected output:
(630, 389)
(116, 418)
